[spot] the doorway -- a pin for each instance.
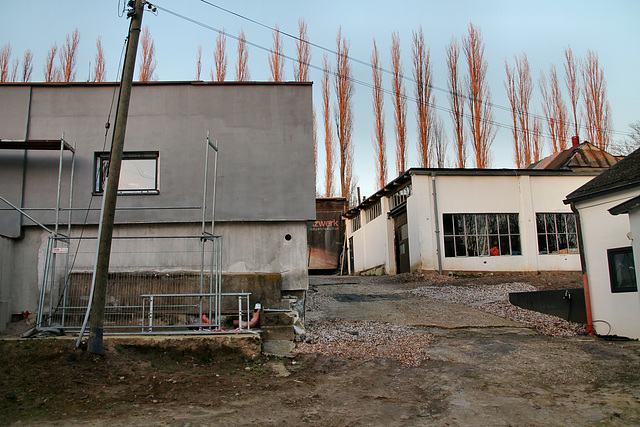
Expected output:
(401, 239)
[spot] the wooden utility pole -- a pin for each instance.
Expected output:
(110, 195)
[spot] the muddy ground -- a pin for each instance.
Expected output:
(475, 374)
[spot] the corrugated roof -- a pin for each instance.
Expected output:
(622, 175)
(585, 155)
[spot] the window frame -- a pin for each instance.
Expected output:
(356, 223)
(373, 211)
(483, 233)
(566, 236)
(611, 253)
(100, 165)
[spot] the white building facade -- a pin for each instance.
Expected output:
(609, 214)
(467, 220)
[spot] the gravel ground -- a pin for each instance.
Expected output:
(367, 340)
(494, 299)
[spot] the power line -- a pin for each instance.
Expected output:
(404, 77)
(355, 60)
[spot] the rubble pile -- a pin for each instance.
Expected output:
(367, 341)
(494, 299)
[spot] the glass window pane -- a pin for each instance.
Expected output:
(571, 223)
(560, 222)
(481, 220)
(503, 224)
(551, 224)
(563, 244)
(622, 272)
(494, 248)
(449, 247)
(472, 246)
(573, 243)
(515, 245)
(137, 174)
(493, 224)
(483, 246)
(458, 225)
(514, 226)
(553, 244)
(461, 249)
(470, 222)
(540, 223)
(505, 248)
(447, 222)
(542, 244)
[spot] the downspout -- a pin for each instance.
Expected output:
(24, 161)
(437, 222)
(583, 266)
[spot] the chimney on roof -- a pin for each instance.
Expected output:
(575, 141)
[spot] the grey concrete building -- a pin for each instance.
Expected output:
(265, 177)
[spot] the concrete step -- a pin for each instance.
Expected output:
(278, 333)
(276, 318)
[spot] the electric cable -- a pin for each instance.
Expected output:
(386, 71)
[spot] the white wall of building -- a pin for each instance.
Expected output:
(525, 195)
(602, 231)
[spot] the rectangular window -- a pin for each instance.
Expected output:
(557, 233)
(400, 196)
(373, 211)
(138, 172)
(355, 223)
(472, 235)
(622, 271)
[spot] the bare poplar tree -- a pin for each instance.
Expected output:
(456, 102)
(220, 58)
(51, 73)
(315, 147)
(512, 94)
(14, 70)
(549, 113)
(399, 104)
(276, 59)
(379, 143)
(242, 67)
(596, 105)
(439, 142)
(99, 72)
(479, 95)
(5, 57)
(344, 115)
(423, 76)
(571, 79)
(147, 65)
(519, 90)
(629, 144)
(27, 66)
(301, 69)
(198, 63)
(555, 111)
(525, 90)
(328, 135)
(536, 137)
(69, 57)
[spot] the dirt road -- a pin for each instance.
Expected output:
(474, 369)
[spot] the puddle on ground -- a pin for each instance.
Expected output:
(366, 298)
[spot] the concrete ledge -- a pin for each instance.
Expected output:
(249, 345)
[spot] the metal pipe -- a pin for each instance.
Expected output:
(44, 283)
(27, 215)
(583, 266)
(437, 222)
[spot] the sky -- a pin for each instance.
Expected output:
(542, 29)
